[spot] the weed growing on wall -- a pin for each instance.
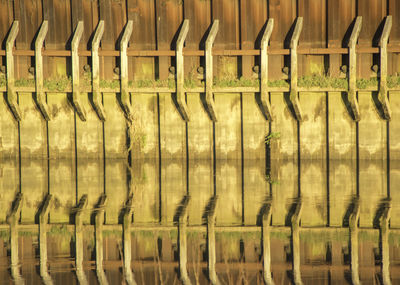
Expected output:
(58, 83)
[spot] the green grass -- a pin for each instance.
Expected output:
(322, 82)
(57, 83)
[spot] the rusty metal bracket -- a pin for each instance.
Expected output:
(180, 94)
(40, 94)
(352, 93)
(76, 94)
(11, 93)
(125, 96)
(382, 95)
(265, 105)
(96, 94)
(209, 71)
(294, 94)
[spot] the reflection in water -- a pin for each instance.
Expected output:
(146, 226)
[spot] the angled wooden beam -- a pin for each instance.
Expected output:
(126, 236)
(294, 94)
(12, 220)
(180, 93)
(295, 224)
(266, 221)
(211, 218)
(40, 94)
(125, 95)
(266, 106)
(353, 227)
(12, 99)
(80, 273)
(76, 94)
(96, 94)
(43, 225)
(384, 241)
(182, 224)
(383, 92)
(352, 93)
(99, 221)
(209, 71)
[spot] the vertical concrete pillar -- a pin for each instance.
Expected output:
(209, 71)
(76, 94)
(80, 273)
(266, 221)
(180, 94)
(12, 220)
(352, 93)
(96, 94)
(126, 237)
(384, 241)
(43, 227)
(182, 223)
(294, 96)
(40, 94)
(295, 226)
(211, 217)
(383, 96)
(125, 95)
(353, 226)
(99, 221)
(12, 97)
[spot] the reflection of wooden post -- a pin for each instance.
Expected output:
(183, 219)
(383, 98)
(211, 241)
(126, 235)
(79, 240)
(11, 94)
(266, 221)
(294, 94)
(99, 221)
(384, 239)
(353, 220)
(96, 94)
(266, 106)
(353, 68)
(76, 94)
(40, 95)
(180, 94)
(43, 222)
(295, 221)
(125, 98)
(12, 220)
(209, 71)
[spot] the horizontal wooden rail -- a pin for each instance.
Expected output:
(242, 52)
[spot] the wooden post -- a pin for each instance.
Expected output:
(266, 106)
(295, 221)
(384, 240)
(80, 273)
(11, 93)
(183, 219)
(12, 220)
(40, 94)
(126, 236)
(99, 221)
(209, 71)
(96, 94)
(125, 96)
(211, 217)
(43, 222)
(294, 94)
(353, 221)
(383, 98)
(180, 94)
(352, 94)
(266, 221)
(76, 94)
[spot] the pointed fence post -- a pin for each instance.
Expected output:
(209, 71)
(96, 94)
(383, 96)
(294, 94)
(266, 106)
(40, 94)
(76, 94)
(12, 99)
(125, 96)
(180, 94)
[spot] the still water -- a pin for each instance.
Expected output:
(192, 222)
